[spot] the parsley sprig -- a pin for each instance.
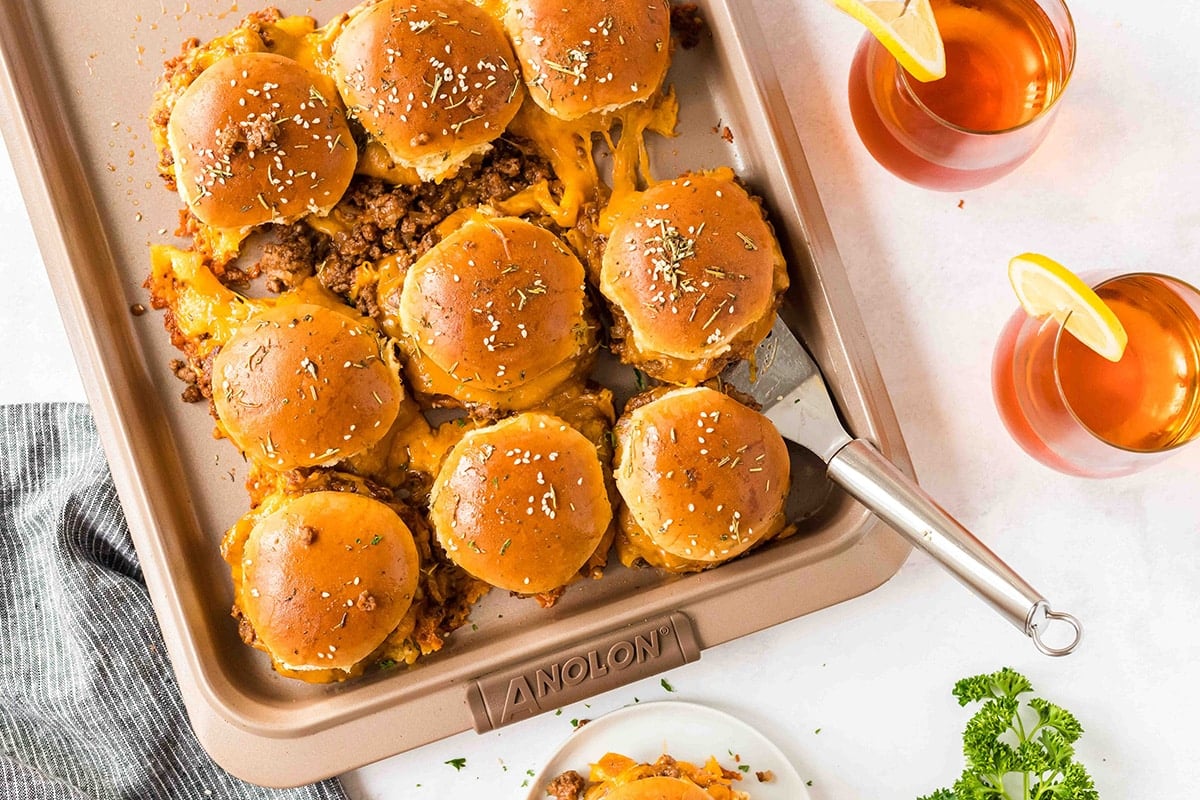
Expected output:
(1016, 753)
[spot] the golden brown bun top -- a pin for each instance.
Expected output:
(578, 57)
(303, 385)
(254, 141)
(691, 263)
(497, 303)
(326, 578)
(521, 504)
(433, 80)
(657, 788)
(704, 476)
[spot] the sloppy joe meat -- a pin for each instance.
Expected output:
(568, 786)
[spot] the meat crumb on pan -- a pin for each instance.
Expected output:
(687, 24)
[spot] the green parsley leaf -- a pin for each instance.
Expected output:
(457, 763)
(667, 685)
(940, 794)
(1041, 766)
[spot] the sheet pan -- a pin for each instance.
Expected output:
(75, 85)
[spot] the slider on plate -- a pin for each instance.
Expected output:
(522, 505)
(618, 777)
(321, 582)
(253, 140)
(433, 81)
(693, 276)
(703, 478)
(494, 316)
(593, 56)
(306, 385)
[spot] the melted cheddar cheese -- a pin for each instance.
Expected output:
(205, 312)
(569, 146)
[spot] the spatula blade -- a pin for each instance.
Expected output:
(786, 381)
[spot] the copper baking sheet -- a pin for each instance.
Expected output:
(75, 82)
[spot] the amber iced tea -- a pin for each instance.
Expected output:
(1077, 412)
(1007, 62)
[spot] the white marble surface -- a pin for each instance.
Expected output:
(858, 695)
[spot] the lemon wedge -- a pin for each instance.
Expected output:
(1048, 289)
(907, 29)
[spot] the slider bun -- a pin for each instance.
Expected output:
(592, 56)
(254, 141)
(326, 578)
(657, 788)
(434, 81)
(495, 314)
(693, 275)
(703, 477)
(521, 504)
(304, 385)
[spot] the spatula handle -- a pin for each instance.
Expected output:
(875, 482)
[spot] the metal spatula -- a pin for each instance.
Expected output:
(788, 384)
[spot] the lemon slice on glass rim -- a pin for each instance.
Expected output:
(907, 29)
(1048, 289)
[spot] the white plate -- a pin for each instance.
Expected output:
(687, 731)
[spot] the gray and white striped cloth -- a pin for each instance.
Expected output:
(89, 707)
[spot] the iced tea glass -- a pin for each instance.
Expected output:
(1078, 413)
(1007, 64)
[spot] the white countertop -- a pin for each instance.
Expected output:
(859, 695)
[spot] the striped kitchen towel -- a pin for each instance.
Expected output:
(89, 707)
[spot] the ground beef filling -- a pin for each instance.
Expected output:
(381, 220)
(688, 25)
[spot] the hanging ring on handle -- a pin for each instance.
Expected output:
(1040, 617)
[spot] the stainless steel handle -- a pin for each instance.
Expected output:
(875, 482)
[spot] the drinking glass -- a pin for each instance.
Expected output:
(1007, 64)
(1075, 411)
